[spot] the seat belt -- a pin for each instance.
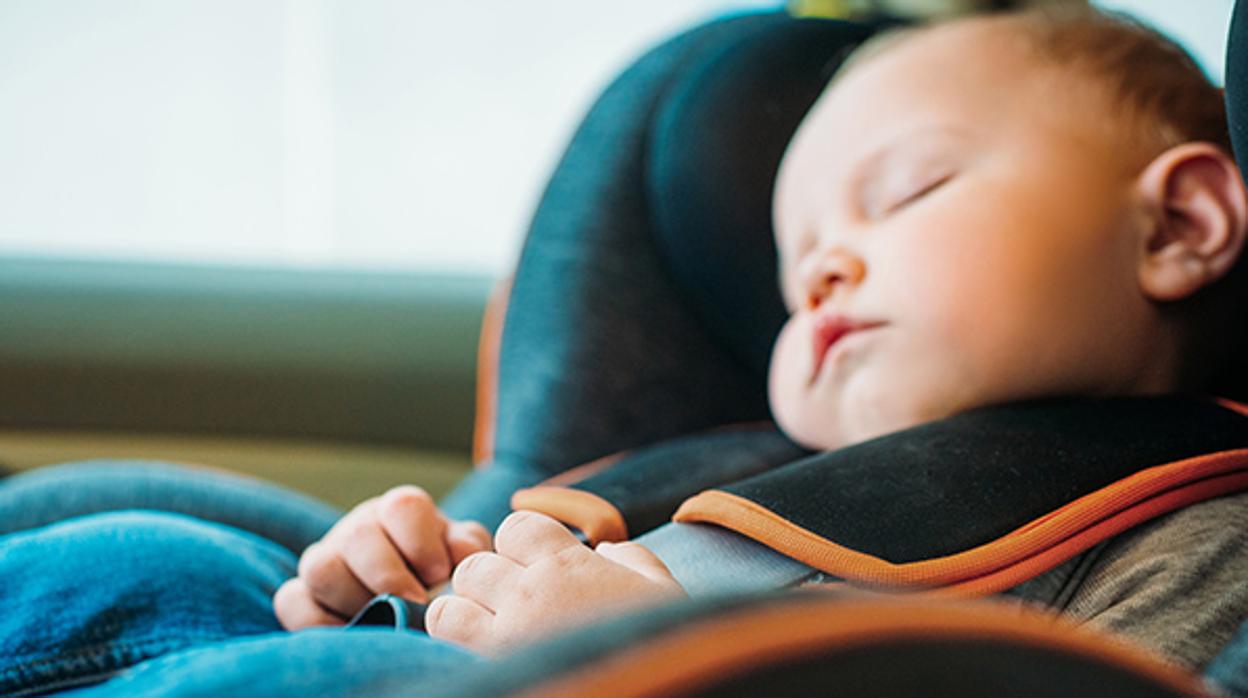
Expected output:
(709, 560)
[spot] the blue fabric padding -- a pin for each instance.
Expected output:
(485, 495)
(718, 141)
(604, 346)
(600, 352)
(1236, 76)
(1233, 382)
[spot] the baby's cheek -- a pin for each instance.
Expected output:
(928, 365)
(783, 392)
(990, 355)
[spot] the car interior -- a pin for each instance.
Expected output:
(486, 390)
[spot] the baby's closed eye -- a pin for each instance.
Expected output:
(900, 190)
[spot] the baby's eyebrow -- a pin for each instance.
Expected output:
(937, 132)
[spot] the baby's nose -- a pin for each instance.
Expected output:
(829, 269)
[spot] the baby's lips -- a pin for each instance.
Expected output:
(829, 328)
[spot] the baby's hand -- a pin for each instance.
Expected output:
(541, 579)
(398, 543)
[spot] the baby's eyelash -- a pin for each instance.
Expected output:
(918, 193)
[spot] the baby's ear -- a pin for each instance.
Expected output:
(1198, 211)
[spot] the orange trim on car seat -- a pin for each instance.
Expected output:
(1124, 520)
(594, 516)
(708, 652)
(488, 347)
(1030, 549)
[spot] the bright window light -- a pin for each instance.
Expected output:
(1199, 25)
(312, 133)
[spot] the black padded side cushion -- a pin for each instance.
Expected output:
(648, 485)
(645, 486)
(955, 484)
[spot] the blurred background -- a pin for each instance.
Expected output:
(260, 233)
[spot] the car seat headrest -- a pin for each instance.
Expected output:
(715, 147)
(1236, 76)
(1233, 383)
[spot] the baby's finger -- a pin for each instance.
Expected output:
(462, 621)
(485, 578)
(639, 559)
(364, 511)
(526, 537)
(464, 538)
(373, 559)
(296, 609)
(411, 519)
(329, 582)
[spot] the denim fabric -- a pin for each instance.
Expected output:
(1229, 670)
(87, 597)
(152, 603)
(47, 495)
(326, 663)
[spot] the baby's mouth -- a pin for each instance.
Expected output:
(828, 329)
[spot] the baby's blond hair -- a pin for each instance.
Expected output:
(1154, 85)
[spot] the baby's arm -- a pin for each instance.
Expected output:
(398, 543)
(541, 578)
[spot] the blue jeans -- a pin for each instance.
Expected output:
(50, 495)
(1229, 670)
(172, 600)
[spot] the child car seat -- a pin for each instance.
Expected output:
(633, 343)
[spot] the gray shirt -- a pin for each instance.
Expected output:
(1177, 584)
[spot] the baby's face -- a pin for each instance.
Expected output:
(954, 231)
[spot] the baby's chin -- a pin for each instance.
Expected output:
(851, 425)
(832, 437)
